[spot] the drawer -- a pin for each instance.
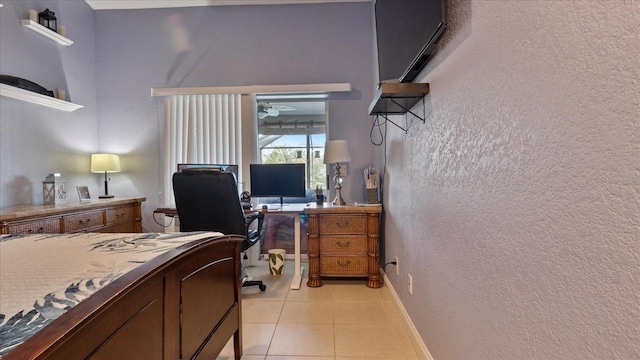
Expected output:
(127, 227)
(343, 224)
(121, 214)
(343, 266)
(83, 221)
(343, 244)
(40, 226)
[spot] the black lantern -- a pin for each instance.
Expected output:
(47, 19)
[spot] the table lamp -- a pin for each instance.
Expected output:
(107, 163)
(336, 151)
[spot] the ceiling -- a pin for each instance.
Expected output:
(147, 4)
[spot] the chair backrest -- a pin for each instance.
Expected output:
(208, 200)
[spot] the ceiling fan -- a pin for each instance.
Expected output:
(272, 109)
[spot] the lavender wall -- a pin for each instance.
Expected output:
(118, 56)
(516, 206)
(226, 46)
(35, 140)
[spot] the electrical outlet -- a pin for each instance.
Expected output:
(397, 266)
(410, 284)
(343, 170)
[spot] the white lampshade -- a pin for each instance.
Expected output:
(105, 162)
(336, 151)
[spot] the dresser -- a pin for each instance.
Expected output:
(343, 242)
(96, 215)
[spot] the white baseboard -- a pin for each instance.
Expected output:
(418, 344)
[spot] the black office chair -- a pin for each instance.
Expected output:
(207, 200)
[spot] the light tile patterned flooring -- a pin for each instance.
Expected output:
(342, 320)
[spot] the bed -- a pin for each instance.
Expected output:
(119, 296)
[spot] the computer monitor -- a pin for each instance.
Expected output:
(277, 180)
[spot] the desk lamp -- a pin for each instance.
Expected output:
(107, 163)
(336, 151)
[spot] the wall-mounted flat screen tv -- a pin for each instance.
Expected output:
(277, 180)
(407, 32)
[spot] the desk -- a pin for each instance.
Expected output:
(343, 240)
(295, 210)
(288, 209)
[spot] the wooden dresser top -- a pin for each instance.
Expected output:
(29, 211)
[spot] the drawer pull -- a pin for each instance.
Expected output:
(344, 263)
(120, 216)
(81, 222)
(343, 243)
(344, 225)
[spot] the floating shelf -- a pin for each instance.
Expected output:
(397, 99)
(35, 98)
(30, 24)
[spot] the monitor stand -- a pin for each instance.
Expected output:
(281, 202)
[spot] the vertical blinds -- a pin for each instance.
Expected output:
(200, 129)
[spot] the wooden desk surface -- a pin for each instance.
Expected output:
(297, 209)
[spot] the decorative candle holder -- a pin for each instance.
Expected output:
(54, 190)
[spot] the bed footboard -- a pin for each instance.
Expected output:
(184, 304)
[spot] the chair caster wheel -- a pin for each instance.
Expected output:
(263, 287)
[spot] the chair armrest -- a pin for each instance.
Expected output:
(250, 218)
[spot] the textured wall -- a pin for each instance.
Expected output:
(516, 207)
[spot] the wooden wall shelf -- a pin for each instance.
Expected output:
(397, 99)
(32, 25)
(393, 99)
(35, 98)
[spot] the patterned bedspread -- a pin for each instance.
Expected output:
(42, 276)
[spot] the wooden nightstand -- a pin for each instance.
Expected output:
(343, 242)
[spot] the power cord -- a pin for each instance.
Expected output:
(163, 225)
(389, 263)
(376, 124)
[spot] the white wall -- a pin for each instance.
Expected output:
(516, 207)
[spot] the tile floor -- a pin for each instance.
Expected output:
(342, 320)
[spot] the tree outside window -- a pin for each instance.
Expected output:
(291, 131)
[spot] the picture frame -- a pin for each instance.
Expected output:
(83, 193)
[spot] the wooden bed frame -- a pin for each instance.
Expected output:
(184, 304)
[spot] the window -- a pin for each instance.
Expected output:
(292, 130)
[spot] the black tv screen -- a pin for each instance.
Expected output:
(277, 180)
(407, 32)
